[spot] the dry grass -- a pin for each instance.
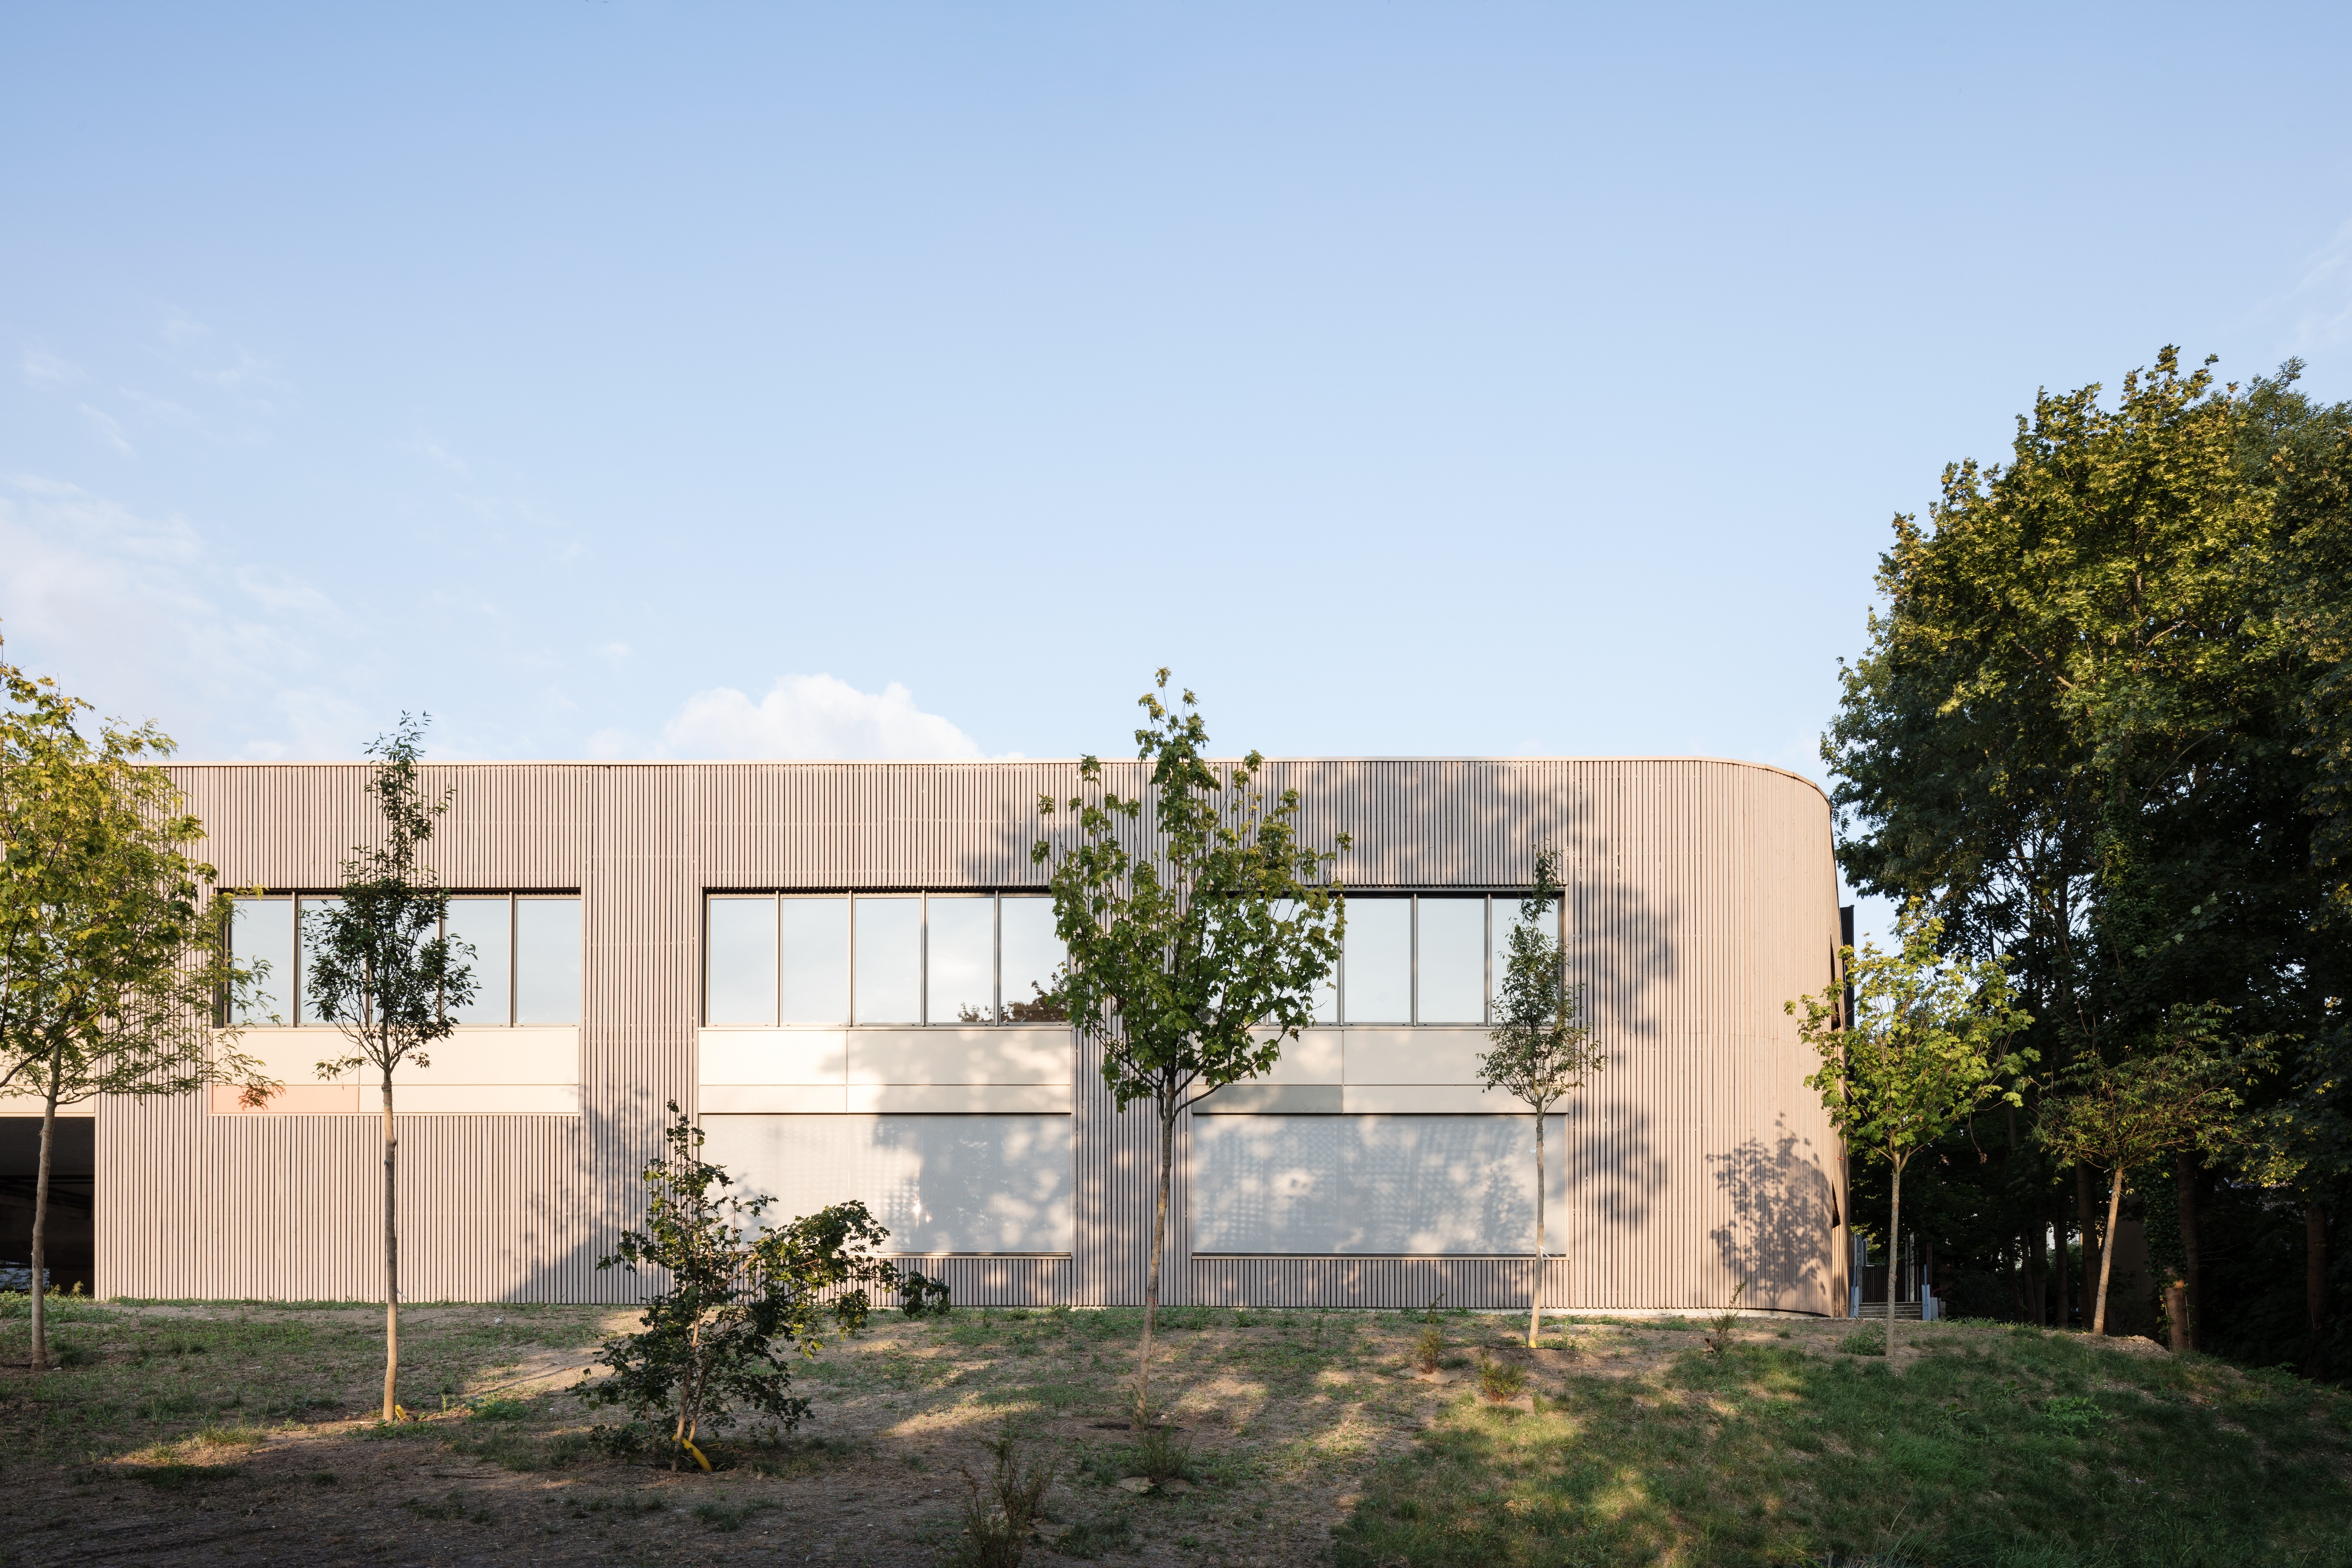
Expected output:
(213, 1433)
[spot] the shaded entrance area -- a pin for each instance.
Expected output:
(73, 1171)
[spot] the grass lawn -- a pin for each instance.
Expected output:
(211, 1433)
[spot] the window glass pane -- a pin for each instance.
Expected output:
(547, 961)
(310, 908)
(962, 956)
(1453, 961)
(816, 961)
(1031, 953)
(889, 988)
(1378, 978)
(484, 925)
(741, 984)
(264, 934)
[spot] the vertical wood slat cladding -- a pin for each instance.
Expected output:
(1700, 896)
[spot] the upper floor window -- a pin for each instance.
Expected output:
(525, 959)
(1429, 958)
(878, 958)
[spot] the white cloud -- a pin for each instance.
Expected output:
(812, 716)
(48, 370)
(139, 616)
(107, 427)
(2324, 294)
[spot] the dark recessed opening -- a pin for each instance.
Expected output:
(72, 1237)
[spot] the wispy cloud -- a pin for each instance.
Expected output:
(809, 716)
(108, 429)
(141, 616)
(2323, 296)
(426, 446)
(42, 369)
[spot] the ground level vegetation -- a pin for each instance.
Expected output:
(184, 1432)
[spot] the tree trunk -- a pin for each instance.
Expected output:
(2107, 1250)
(2186, 1178)
(1142, 1413)
(2086, 1219)
(40, 1362)
(390, 1259)
(2061, 1269)
(1535, 1296)
(1894, 1260)
(2315, 1288)
(2037, 1272)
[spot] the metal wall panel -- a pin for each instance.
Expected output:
(1701, 895)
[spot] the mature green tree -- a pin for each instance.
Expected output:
(1541, 1048)
(1196, 943)
(382, 973)
(2092, 726)
(2118, 1115)
(112, 950)
(737, 1297)
(1921, 1054)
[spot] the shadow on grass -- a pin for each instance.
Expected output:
(2022, 1449)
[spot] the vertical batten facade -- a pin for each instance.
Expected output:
(1701, 896)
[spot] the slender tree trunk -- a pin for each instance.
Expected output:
(2107, 1250)
(1535, 1296)
(2037, 1268)
(1894, 1260)
(2062, 1270)
(2186, 1178)
(1142, 1413)
(2086, 1219)
(391, 1259)
(2315, 1288)
(41, 1223)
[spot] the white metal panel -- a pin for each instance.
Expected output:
(959, 1056)
(1413, 1055)
(1427, 1099)
(941, 1184)
(797, 1099)
(1421, 1185)
(956, 1099)
(774, 1056)
(1313, 1057)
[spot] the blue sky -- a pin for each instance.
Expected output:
(640, 380)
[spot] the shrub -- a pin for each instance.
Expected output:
(919, 1296)
(1863, 1341)
(1001, 1513)
(741, 1298)
(1430, 1348)
(1500, 1380)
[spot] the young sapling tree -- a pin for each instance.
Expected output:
(1541, 1048)
(1194, 947)
(1919, 1058)
(382, 972)
(2114, 1116)
(739, 1298)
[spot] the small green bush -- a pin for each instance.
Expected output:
(1500, 1380)
(1865, 1342)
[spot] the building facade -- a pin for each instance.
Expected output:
(834, 966)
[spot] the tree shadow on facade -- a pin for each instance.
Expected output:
(1784, 1213)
